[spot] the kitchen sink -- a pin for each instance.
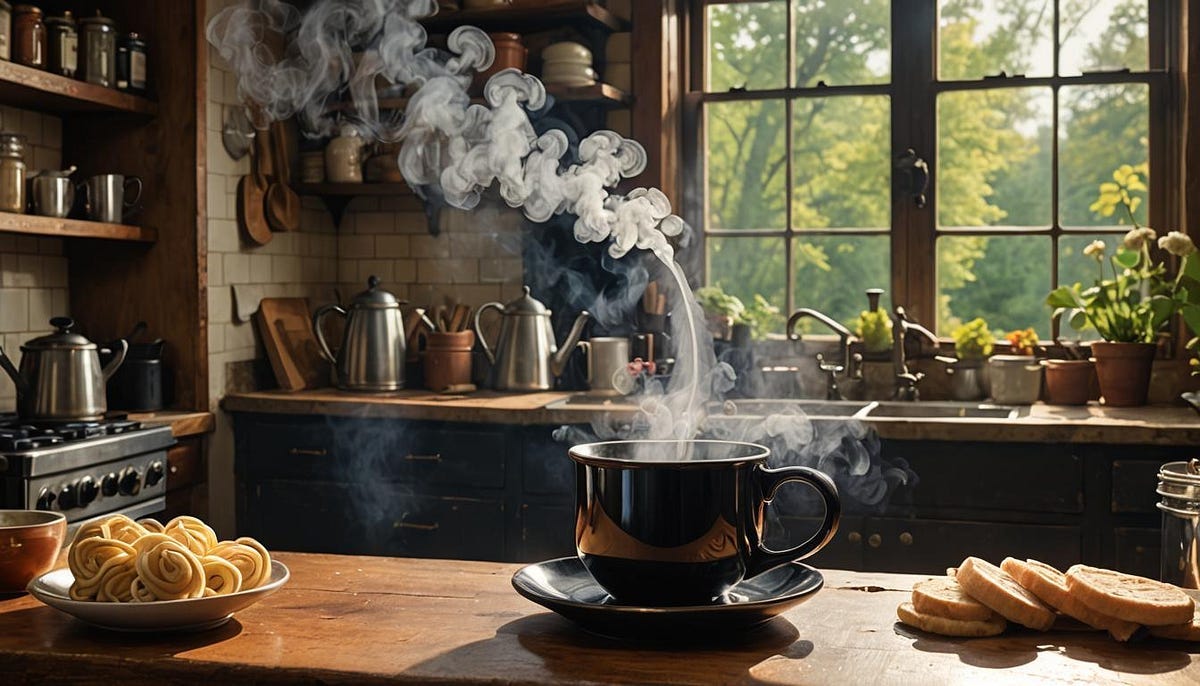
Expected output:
(941, 410)
(764, 408)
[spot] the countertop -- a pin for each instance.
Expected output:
(368, 620)
(1150, 425)
(182, 423)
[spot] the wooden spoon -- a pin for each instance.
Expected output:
(252, 190)
(283, 205)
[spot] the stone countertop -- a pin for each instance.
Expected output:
(1150, 425)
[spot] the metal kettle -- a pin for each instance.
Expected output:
(526, 357)
(60, 377)
(371, 357)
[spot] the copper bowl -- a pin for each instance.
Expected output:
(29, 545)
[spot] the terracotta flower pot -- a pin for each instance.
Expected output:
(1068, 382)
(1124, 371)
(448, 359)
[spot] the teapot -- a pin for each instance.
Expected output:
(526, 357)
(371, 357)
(60, 377)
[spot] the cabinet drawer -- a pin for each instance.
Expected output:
(1138, 551)
(454, 456)
(460, 528)
(547, 531)
(1133, 486)
(930, 546)
(546, 468)
(845, 551)
(185, 466)
(285, 446)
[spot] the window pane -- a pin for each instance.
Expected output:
(1003, 279)
(994, 157)
(978, 39)
(746, 171)
(1103, 35)
(841, 163)
(747, 46)
(1101, 128)
(832, 272)
(745, 266)
(844, 42)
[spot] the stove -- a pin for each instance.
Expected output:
(84, 469)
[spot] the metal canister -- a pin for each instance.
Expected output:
(29, 36)
(131, 64)
(5, 30)
(62, 56)
(12, 173)
(98, 47)
(1179, 488)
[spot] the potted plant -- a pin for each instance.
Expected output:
(760, 318)
(874, 329)
(973, 343)
(720, 311)
(1016, 378)
(1133, 299)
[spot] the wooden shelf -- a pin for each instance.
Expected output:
(529, 16)
(73, 228)
(598, 93)
(34, 89)
(337, 196)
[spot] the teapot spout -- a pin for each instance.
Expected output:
(559, 360)
(11, 369)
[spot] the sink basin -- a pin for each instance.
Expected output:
(941, 410)
(763, 408)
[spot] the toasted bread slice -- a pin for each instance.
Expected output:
(993, 587)
(1180, 632)
(968, 628)
(943, 597)
(952, 572)
(1128, 597)
(1050, 587)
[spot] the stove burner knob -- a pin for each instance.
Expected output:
(87, 491)
(66, 497)
(45, 499)
(108, 485)
(131, 481)
(155, 473)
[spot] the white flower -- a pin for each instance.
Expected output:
(1136, 238)
(1177, 244)
(1095, 249)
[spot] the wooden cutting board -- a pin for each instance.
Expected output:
(286, 328)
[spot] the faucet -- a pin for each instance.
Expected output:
(905, 380)
(851, 363)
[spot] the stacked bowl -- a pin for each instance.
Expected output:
(567, 64)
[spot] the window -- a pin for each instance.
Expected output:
(801, 112)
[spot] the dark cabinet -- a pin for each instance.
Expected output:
(929, 546)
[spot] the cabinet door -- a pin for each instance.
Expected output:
(930, 546)
(454, 455)
(1138, 551)
(449, 527)
(547, 532)
(324, 448)
(844, 551)
(1134, 483)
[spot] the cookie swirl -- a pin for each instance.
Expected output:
(192, 533)
(252, 561)
(221, 576)
(89, 559)
(166, 570)
(151, 525)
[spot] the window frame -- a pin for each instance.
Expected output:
(914, 88)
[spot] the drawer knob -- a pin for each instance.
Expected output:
(415, 457)
(854, 537)
(906, 538)
(316, 452)
(874, 540)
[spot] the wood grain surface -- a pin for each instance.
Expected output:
(363, 620)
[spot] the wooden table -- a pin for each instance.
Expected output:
(362, 620)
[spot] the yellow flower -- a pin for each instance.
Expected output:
(1177, 244)
(1137, 237)
(1096, 249)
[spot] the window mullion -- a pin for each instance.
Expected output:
(789, 276)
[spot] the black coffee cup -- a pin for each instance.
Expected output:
(678, 522)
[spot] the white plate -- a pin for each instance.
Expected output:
(192, 614)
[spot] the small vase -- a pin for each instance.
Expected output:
(967, 380)
(1068, 382)
(1016, 379)
(1124, 371)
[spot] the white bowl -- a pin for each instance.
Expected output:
(191, 614)
(567, 51)
(559, 71)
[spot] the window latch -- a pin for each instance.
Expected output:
(1002, 75)
(912, 176)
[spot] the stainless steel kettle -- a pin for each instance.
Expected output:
(60, 377)
(526, 357)
(371, 357)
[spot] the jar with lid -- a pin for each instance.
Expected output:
(131, 64)
(343, 157)
(98, 38)
(5, 30)
(12, 173)
(29, 36)
(62, 56)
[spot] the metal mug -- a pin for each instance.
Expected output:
(53, 196)
(104, 197)
(607, 357)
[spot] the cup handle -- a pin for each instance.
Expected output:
(82, 189)
(763, 558)
(137, 194)
(586, 347)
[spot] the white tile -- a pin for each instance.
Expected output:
(14, 310)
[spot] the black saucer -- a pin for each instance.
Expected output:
(564, 586)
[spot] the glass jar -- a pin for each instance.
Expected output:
(343, 157)
(5, 31)
(131, 64)
(12, 173)
(98, 47)
(62, 55)
(29, 36)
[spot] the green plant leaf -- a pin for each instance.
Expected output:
(1127, 259)
(1191, 317)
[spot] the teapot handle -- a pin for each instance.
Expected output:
(322, 344)
(487, 349)
(118, 358)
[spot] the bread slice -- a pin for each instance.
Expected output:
(1180, 632)
(952, 572)
(1128, 597)
(1050, 587)
(993, 587)
(943, 597)
(968, 628)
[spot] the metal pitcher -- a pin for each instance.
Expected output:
(526, 357)
(1179, 488)
(371, 357)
